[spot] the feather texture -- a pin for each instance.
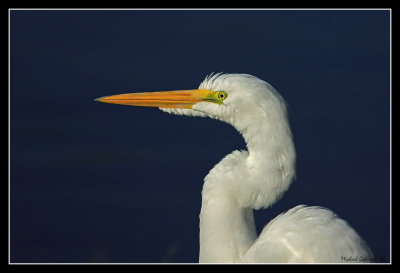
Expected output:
(256, 178)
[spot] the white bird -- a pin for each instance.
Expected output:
(254, 178)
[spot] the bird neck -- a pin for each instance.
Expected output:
(239, 183)
(226, 231)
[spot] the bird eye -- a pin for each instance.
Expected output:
(222, 95)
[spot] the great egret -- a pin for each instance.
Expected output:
(253, 179)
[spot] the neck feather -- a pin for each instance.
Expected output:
(239, 183)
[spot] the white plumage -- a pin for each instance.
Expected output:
(256, 178)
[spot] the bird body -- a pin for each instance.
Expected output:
(306, 234)
(254, 178)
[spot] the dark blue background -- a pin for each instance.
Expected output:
(92, 182)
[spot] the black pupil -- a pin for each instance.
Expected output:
(221, 95)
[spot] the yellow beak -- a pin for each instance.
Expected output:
(167, 99)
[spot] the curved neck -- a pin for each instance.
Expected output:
(241, 182)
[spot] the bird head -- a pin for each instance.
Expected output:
(237, 99)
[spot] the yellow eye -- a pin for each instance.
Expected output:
(221, 95)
